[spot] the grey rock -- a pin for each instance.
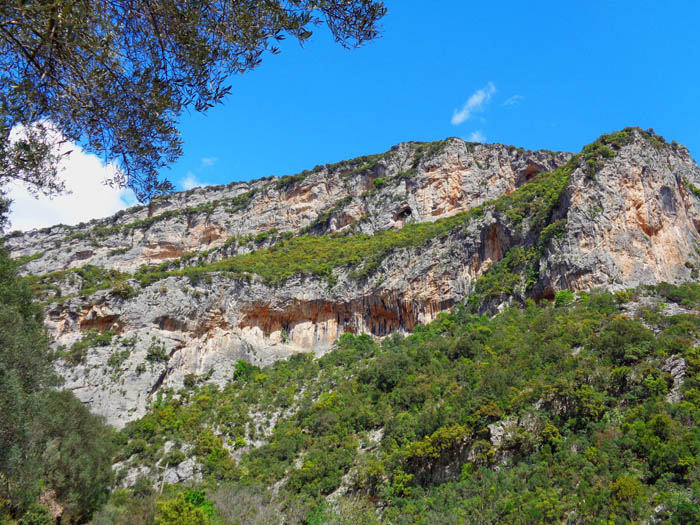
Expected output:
(635, 222)
(188, 470)
(456, 177)
(675, 366)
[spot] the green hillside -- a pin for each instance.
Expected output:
(407, 426)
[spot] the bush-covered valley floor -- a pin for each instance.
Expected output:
(584, 410)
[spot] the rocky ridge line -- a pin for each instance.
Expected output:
(624, 212)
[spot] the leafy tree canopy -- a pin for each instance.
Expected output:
(117, 75)
(49, 441)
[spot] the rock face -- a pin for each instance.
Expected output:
(429, 181)
(624, 214)
(635, 222)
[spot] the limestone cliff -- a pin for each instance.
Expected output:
(259, 271)
(412, 181)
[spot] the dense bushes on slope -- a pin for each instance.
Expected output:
(584, 410)
(540, 414)
(50, 444)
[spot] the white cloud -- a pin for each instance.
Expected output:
(190, 181)
(90, 198)
(476, 102)
(512, 101)
(191, 178)
(477, 136)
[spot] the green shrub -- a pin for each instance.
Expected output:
(244, 370)
(684, 512)
(37, 515)
(156, 353)
(174, 458)
(378, 183)
(563, 297)
(117, 358)
(179, 511)
(91, 338)
(123, 290)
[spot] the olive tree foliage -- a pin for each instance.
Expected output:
(116, 75)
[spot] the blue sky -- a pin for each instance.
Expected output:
(552, 75)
